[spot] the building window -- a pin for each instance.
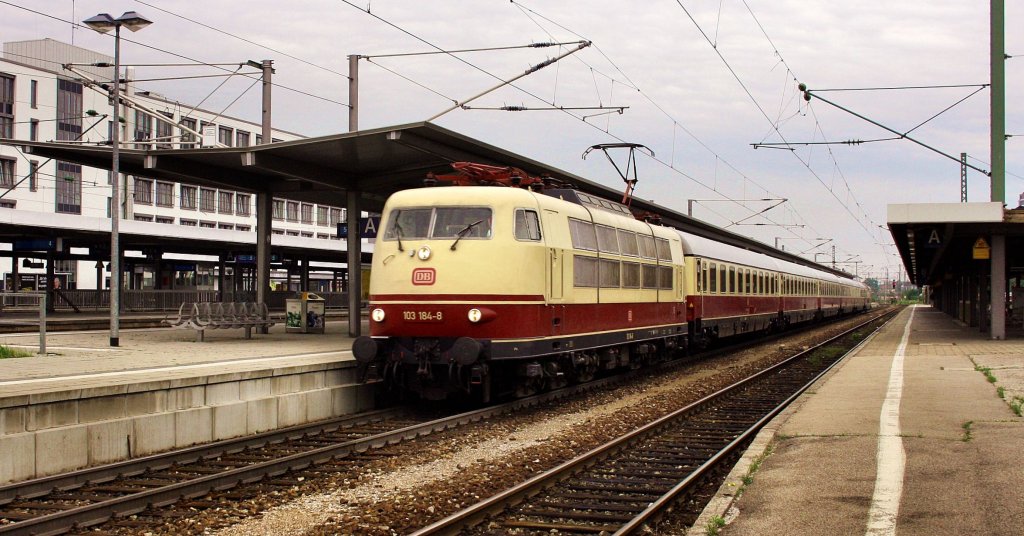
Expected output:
(336, 216)
(292, 233)
(243, 228)
(143, 129)
(208, 224)
(278, 211)
(6, 172)
(165, 219)
(225, 202)
(33, 175)
(142, 217)
(188, 197)
(69, 188)
(143, 191)
(259, 139)
(33, 130)
(241, 138)
(207, 200)
(321, 215)
(164, 132)
(226, 226)
(306, 234)
(165, 194)
(293, 211)
(8, 203)
(69, 111)
(242, 204)
(307, 213)
(6, 106)
(224, 135)
(323, 236)
(188, 139)
(33, 93)
(277, 231)
(188, 223)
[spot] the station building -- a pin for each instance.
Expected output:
(175, 236)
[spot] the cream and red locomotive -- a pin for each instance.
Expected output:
(510, 290)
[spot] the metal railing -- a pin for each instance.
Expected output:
(159, 300)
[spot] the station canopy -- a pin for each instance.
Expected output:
(374, 163)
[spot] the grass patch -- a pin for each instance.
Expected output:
(1001, 392)
(7, 352)
(748, 478)
(713, 526)
(967, 431)
(987, 372)
(1017, 404)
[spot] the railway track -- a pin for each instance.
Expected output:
(177, 481)
(630, 482)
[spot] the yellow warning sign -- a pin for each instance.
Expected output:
(981, 250)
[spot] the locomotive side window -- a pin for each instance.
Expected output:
(583, 236)
(630, 275)
(584, 271)
(627, 243)
(606, 240)
(665, 277)
(527, 225)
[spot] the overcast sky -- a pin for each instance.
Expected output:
(702, 80)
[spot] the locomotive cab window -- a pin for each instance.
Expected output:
(527, 225)
(439, 222)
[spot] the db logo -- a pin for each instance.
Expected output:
(423, 276)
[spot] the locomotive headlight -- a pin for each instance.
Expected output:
(423, 253)
(475, 315)
(377, 315)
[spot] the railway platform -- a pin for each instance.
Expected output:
(86, 403)
(907, 435)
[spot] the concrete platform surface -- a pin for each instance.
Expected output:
(85, 359)
(915, 401)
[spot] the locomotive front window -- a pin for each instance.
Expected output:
(408, 223)
(439, 222)
(467, 222)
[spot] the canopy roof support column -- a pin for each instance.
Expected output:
(998, 287)
(355, 265)
(264, 210)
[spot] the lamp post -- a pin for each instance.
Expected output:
(103, 23)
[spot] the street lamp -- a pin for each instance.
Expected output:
(103, 23)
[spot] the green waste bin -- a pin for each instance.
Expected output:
(304, 314)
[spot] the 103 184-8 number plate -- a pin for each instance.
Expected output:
(422, 316)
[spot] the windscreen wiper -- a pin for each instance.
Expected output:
(463, 232)
(398, 235)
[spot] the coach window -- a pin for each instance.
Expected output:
(583, 235)
(627, 243)
(664, 251)
(608, 273)
(584, 271)
(732, 280)
(630, 275)
(527, 225)
(700, 277)
(606, 240)
(713, 278)
(647, 248)
(748, 287)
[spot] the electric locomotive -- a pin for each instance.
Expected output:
(485, 290)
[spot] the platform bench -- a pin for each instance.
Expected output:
(202, 316)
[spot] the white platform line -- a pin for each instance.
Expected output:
(892, 458)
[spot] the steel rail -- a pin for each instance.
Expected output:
(475, 514)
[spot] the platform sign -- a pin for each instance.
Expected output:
(367, 227)
(35, 244)
(981, 251)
